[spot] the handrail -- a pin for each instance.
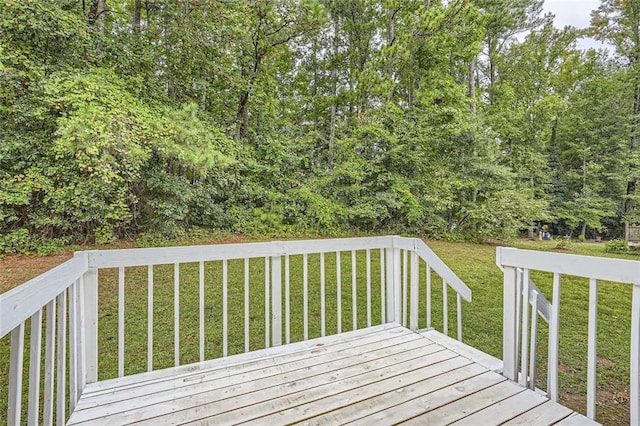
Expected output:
(442, 269)
(184, 254)
(20, 303)
(600, 268)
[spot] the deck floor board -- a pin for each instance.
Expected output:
(380, 375)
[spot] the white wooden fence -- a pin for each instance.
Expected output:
(522, 308)
(64, 301)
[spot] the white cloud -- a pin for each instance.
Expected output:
(576, 13)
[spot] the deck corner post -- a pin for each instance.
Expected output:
(276, 300)
(393, 283)
(510, 326)
(413, 297)
(90, 302)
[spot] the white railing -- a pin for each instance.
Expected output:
(521, 312)
(394, 272)
(56, 301)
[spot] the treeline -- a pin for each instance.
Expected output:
(470, 119)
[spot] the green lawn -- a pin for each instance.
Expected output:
(482, 319)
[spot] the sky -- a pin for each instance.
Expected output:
(576, 13)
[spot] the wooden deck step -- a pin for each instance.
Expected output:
(380, 375)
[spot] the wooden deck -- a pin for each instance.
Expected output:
(381, 375)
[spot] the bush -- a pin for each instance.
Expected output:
(616, 246)
(21, 241)
(562, 243)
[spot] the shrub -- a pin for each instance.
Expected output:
(616, 246)
(562, 243)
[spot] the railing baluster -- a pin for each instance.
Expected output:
(287, 300)
(267, 315)
(176, 314)
(354, 295)
(368, 261)
(49, 362)
(201, 308)
(305, 295)
(246, 304)
(225, 302)
(383, 307)
(120, 321)
(413, 323)
(459, 315)
(276, 300)
(34, 368)
(634, 388)
(534, 337)
(428, 295)
(554, 340)
(323, 317)
(591, 348)
(61, 390)
(445, 308)
(16, 359)
(339, 292)
(150, 318)
(524, 352)
(404, 287)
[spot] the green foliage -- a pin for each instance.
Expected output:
(322, 117)
(616, 246)
(20, 242)
(563, 243)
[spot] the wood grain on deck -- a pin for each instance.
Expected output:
(380, 375)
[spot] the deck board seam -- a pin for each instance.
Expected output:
(389, 345)
(419, 352)
(431, 390)
(327, 384)
(297, 347)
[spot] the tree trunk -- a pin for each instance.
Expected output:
(243, 115)
(96, 13)
(137, 6)
(472, 107)
(334, 95)
(472, 86)
(391, 38)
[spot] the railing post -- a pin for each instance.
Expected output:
(390, 291)
(413, 297)
(276, 301)
(510, 319)
(90, 301)
(394, 297)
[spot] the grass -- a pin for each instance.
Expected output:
(482, 319)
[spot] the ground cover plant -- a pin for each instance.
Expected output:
(482, 319)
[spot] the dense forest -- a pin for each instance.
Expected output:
(448, 119)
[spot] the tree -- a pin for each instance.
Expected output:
(618, 22)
